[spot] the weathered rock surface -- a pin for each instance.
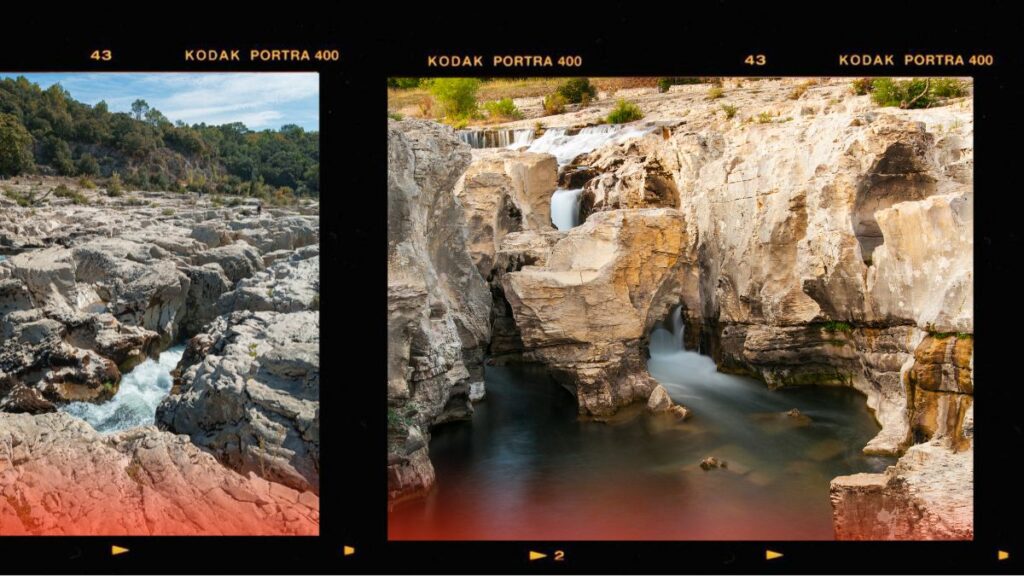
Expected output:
(90, 292)
(248, 391)
(117, 283)
(585, 311)
(501, 192)
(438, 303)
(60, 477)
(928, 495)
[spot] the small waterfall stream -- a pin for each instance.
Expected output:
(565, 208)
(500, 138)
(137, 398)
(565, 204)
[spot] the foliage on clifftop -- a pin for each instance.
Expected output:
(913, 93)
(48, 132)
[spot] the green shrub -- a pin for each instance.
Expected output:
(457, 96)
(76, 197)
(314, 304)
(577, 90)
(21, 199)
(86, 183)
(87, 165)
(665, 83)
(764, 118)
(395, 116)
(404, 83)
(167, 212)
(114, 186)
(730, 111)
(715, 93)
(504, 109)
(948, 88)
(915, 93)
(862, 86)
(623, 112)
(836, 326)
(554, 104)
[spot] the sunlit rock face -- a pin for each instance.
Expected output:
(438, 303)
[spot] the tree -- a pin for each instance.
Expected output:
(15, 147)
(139, 108)
(457, 96)
(157, 118)
(88, 166)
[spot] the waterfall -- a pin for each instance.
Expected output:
(501, 138)
(665, 342)
(565, 204)
(565, 208)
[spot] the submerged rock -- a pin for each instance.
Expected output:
(710, 463)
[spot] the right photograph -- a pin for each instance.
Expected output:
(688, 308)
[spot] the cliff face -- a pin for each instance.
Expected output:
(438, 304)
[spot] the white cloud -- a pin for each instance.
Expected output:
(198, 98)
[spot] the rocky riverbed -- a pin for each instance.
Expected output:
(90, 292)
(807, 236)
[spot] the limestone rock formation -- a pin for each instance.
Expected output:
(438, 303)
(60, 477)
(248, 391)
(87, 293)
(928, 495)
(586, 310)
(501, 192)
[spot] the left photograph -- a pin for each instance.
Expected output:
(159, 304)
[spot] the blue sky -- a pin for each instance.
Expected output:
(258, 100)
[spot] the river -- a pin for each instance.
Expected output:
(526, 468)
(137, 397)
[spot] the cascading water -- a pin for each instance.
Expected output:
(502, 138)
(565, 208)
(565, 204)
(565, 148)
(135, 403)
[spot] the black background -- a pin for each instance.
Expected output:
(712, 41)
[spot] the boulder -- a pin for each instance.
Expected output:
(584, 312)
(248, 392)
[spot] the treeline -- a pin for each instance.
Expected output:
(48, 132)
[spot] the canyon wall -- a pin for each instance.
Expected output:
(438, 303)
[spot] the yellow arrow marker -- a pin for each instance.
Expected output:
(537, 555)
(115, 550)
(1003, 555)
(772, 554)
(349, 550)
